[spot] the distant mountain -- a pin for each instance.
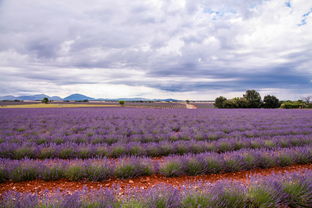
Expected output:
(30, 97)
(79, 97)
(76, 97)
(38, 97)
(8, 97)
(137, 99)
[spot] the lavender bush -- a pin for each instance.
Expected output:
(287, 190)
(192, 164)
(118, 132)
(151, 149)
(102, 143)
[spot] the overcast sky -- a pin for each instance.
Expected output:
(185, 49)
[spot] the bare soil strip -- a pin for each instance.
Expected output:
(190, 106)
(40, 186)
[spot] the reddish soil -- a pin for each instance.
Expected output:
(142, 182)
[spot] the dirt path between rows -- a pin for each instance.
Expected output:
(190, 106)
(40, 186)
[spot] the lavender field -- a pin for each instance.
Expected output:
(155, 104)
(291, 190)
(99, 144)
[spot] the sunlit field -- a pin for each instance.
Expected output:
(42, 105)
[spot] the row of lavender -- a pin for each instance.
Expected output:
(103, 169)
(111, 125)
(110, 139)
(116, 132)
(289, 190)
(152, 149)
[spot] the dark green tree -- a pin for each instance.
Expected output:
(241, 102)
(219, 102)
(45, 100)
(121, 102)
(270, 101)
(293, 104)
(254, 99)
(231, 103)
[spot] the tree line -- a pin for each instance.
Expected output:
(252, 99)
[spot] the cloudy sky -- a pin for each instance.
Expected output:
(185, 49)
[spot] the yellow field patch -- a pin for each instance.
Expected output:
(41, 105)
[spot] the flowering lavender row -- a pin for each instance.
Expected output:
(102, 169)
(116, 125)
(117, 132)
(152, 149)
(289, 190)
(107, 138)
(245, 159)
(147, 138)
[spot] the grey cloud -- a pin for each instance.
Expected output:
(198, 39)
(281, 79)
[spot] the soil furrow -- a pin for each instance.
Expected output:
(145, 182)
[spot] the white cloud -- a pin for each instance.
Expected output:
(155, 47)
